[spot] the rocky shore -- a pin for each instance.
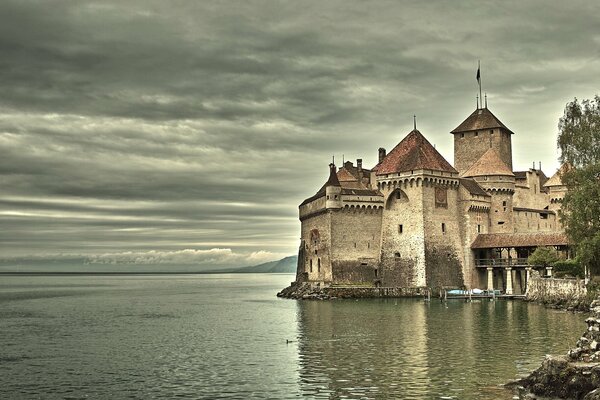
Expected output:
(573, 376)
(306, 291)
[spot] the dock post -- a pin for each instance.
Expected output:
(509, 287)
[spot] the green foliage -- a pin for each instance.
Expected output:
(579, 133)
(579, 142)
(543, 256)
(572, 268)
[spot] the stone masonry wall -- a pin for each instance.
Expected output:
(443, 249)
(555, 291)
(356, 244)
(403, 252)
(316, 236)
(529, 221)
(468, 149)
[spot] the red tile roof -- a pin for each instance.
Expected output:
(489, 163)
(473, 187)
(479, 120)
(412, 153)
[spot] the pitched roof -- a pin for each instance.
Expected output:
(520, 174)
(494, 240)
(413, 152)
(489, 163)
(480, 119)
(556, 179)
(473, 187)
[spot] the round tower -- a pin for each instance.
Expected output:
(333, 189)
(496, 178)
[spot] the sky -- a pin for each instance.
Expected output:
(189, 131)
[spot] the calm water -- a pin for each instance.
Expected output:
(224, 336)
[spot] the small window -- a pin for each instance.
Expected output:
(504, 203)
(368, 245)
(327, 197)
(376, 273)
(443, 227)
(476, 134)
(398, 195)
(500, 222)
(491, 131)
(462, 135)
(397, 255)
(543, 216)
(335, 197)
(354, 244)
(316, 250)
(478, 228)
(319, 265)
(310, 265)
(400, 228)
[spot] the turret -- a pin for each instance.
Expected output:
(496, 178)
(333, 189)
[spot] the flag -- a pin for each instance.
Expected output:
(478, 74)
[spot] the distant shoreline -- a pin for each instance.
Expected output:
(133, 273)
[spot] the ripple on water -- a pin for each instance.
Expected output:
(183, 338)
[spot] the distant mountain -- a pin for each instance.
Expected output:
(286, 265)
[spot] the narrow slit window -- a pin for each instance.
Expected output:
(443, 227)
(400, 228)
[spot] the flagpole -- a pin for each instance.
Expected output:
(479, 80)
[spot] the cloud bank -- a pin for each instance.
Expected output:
(146, 126)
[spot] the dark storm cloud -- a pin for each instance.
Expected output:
(171, 125)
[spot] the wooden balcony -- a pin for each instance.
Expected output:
(501, 262)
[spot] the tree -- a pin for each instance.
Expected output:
(543, 256)
(579, 142)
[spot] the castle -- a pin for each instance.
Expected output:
(414, 220)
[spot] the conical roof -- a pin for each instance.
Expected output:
(556, 179)
(331, 181)
(412, 153)
(480, 119)
(489, 163)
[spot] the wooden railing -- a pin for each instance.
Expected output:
(501, 262)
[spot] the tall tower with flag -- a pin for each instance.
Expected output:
(481, 131)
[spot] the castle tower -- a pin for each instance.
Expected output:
(333, 189)
(477, 134)
(497, 179)
(420, 219)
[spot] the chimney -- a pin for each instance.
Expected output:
(360, 170)
(381, 154)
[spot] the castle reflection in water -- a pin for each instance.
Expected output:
(411, 349)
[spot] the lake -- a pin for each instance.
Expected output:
(228, 336)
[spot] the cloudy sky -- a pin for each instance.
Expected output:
(193, 129)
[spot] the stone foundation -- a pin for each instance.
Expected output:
(312, 292)
(570, 294)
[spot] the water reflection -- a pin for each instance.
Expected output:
(410, 349)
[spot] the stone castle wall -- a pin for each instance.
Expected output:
(403, 237)
(443, 249)
(356, 244)
(531, 221)
(316, 236)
